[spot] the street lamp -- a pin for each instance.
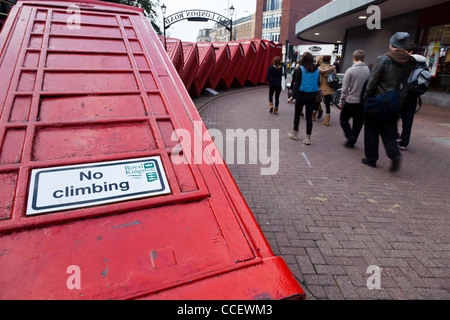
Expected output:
(231, 22)
(163, 10)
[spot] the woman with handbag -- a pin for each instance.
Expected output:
(274, 77)
(307, 84)
(325, 69)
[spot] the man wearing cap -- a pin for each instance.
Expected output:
(385, 77)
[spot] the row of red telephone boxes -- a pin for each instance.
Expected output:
(221, 65)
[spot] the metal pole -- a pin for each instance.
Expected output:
(231, 29)
(164, 27)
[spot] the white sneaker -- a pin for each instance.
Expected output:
(307, 140)
(293, 135)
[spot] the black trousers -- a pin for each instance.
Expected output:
(277, 91)
(407, 115)
(327, 100)
(387, 129)
(304, 99)
(353, 111)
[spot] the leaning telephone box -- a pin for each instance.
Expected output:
(237, 57)
(258, 63)
(268, 61)
(207, 60)
(247, 63)
(108, 188)
(223, 57)
(278, 50)
(191, 63)
(174, 49)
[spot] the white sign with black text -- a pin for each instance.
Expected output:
(78, 186)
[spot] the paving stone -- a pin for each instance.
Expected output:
(330, 217)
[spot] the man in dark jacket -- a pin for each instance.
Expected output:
(385, 77)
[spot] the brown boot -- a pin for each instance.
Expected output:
(275, 111)
(314, 115)
(327, 120)
(271, 107)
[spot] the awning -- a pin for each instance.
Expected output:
(329, 23)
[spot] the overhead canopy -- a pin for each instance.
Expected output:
(329, 23)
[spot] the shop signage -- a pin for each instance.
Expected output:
(315, 49)
(78, 186)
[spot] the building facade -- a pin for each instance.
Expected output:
(243, 28)
(276, 19)
(204, 35)
(369, 24)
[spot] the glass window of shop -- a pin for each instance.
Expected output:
(434, 44)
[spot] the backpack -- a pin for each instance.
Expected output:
(418, 81)
(333, 81)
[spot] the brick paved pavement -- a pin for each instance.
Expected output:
(330, 217)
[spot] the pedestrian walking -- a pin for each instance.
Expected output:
(307, 85)
(274, 77)
(325, 69)
(353, 87)
(318, 111)
(383, 102)
(292, 93)
(409, 106)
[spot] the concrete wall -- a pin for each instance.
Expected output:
(376, 42)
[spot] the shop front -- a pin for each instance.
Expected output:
(427, 22)
(434, 45)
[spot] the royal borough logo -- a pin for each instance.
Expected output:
(139, 171)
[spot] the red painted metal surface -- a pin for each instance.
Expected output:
(207, 60)
(270, 45)
(174, 48)
(223, 57)
(237, 57)
(249, 56)
(104, 92)
(278, 50)
(191, 63)
(258, 63)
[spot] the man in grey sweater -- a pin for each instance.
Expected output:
(354, 83)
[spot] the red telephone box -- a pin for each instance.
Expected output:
(237, 57)
(107, 185)
(270, 45)
(174, 49)
(207, 60)
(223, 57)
(249, 56)
(258, 63)
(191, 63)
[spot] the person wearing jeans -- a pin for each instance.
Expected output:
(307, 83)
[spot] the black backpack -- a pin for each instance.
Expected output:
(418, 81)
(333, 81)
